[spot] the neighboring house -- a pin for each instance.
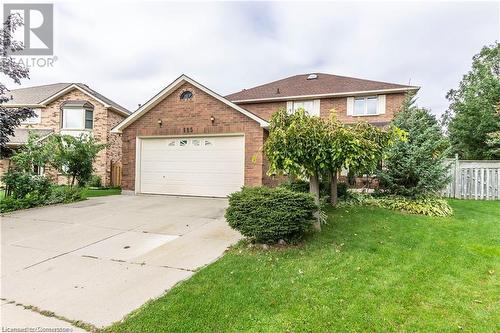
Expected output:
(188, 140)
(69, 108)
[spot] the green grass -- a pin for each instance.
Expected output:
(88, 192)
(369, 270)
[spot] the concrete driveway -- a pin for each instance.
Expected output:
(97, 260)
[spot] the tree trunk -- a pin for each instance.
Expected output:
(333, 188)
(72, 180)
(314, 189)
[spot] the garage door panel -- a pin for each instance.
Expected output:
(191, 166)
(211, 166)
(188, 178)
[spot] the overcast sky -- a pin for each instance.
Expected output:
(130, 51)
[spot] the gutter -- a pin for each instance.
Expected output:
(343, 94)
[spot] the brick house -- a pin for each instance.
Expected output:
(69, 108)
(188, 140)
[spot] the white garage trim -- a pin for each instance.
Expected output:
(189, 186)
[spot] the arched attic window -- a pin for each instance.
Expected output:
(186, 95)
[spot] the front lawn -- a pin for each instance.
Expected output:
(370, 270)
(101, 192)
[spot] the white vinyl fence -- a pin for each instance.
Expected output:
(479, 180)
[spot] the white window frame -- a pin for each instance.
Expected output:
(41, 170)
(33, 120)
(380, 103)
(82, 126)
(313, 110)
(365, 111)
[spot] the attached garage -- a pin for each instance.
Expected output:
(211, 166)
(188, 140)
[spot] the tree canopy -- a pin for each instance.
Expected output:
(473, 117)
(10, 118)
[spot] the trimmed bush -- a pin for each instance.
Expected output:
(267, 215)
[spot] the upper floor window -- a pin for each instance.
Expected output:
(36, 119)
(311, 106)
(186, 95)
(366, 105)
(77, 115)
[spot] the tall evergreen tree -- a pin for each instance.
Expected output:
(414, 167)
(473, 117)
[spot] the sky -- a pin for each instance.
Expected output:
(128, 51)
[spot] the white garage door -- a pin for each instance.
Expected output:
(203, 166)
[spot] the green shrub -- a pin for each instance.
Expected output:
(355, 199)
(270, 214)
(416, 167)
(342, 190)
(95, 181)
(432, 206)
(296, 185)
(56, 194)
(324, 187)
(65, 194)
(19, 184)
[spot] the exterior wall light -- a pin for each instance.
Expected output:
(212, 119)
(160, 122)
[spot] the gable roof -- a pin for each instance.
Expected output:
(40, 96)
(171, 88)
(324, 85)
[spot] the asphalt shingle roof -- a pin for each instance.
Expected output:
(21, 135)
(299, 85)
(37, 94)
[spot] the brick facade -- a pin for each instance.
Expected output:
(339, 104)
(194, 116)
(264, 110)
(104, 120)
(393, 103)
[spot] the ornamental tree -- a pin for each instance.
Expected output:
(298, 145)
(74, 157)
(360, 148)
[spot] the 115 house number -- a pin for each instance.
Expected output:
(187, 130)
